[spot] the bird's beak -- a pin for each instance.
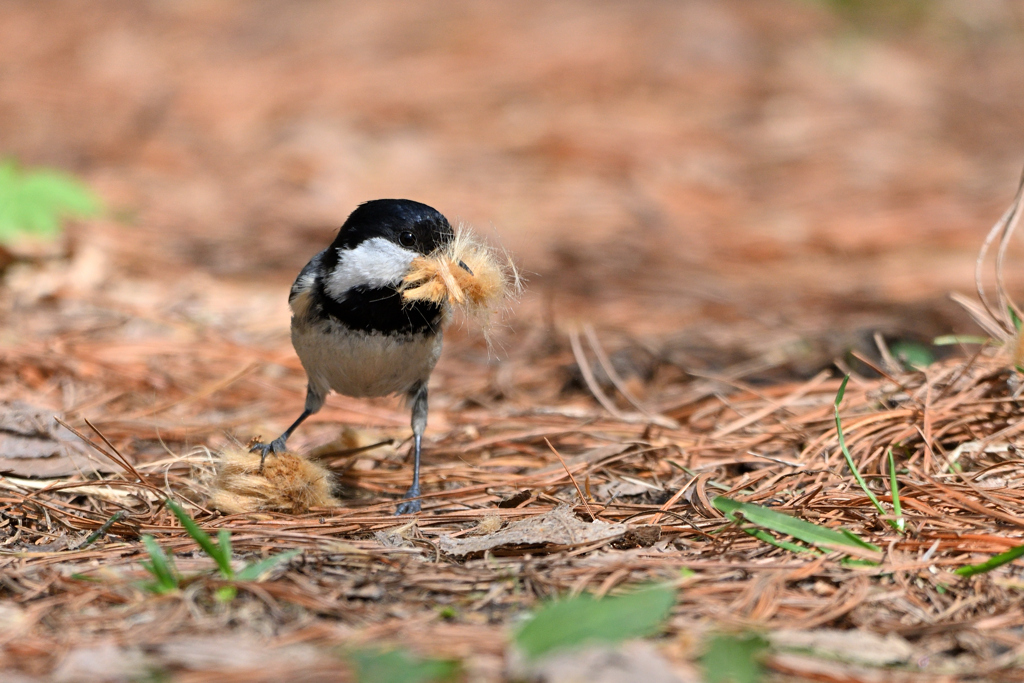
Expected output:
(463, 265)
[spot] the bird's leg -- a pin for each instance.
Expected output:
(419, 424)
(314, 402)
(278, 444)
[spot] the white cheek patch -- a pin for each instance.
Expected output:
(376, 262)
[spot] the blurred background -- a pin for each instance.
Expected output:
(653, 165)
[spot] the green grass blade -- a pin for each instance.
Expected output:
(894, 487)
(841, 392)
(763, 535)
(854, 562)
(104, 528)
(1013, 317)
(160, 566)
(820, 536)
(857, 540)
(224, 550)
(256, 570)
(849, 458)
(203, 539)
(565, 624)
(957, 339)
(993, 562)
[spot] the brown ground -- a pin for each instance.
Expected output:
(742, 190)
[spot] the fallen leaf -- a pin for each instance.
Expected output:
(488, 525)
(516, 499)
(558, 527)
(625, 663)
(639, 536)
(33, 444)
(104, 661)
(235, 652)
(624, 487)
(858, 646)
(800, 667)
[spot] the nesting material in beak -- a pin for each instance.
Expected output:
(467, 274)
(289, 483)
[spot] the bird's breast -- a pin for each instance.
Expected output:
(363, 363)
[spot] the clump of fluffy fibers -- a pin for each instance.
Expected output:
(289, 483)
(466, 274)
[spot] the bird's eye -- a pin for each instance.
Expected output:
(407, 239)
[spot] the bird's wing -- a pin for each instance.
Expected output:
(307, 277)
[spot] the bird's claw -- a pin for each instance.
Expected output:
(409, 507)
(265, 449)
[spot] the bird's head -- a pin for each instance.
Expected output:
(379, 241)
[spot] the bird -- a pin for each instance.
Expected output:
(350, 327)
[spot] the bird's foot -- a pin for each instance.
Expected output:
(410, 506)
(265, 449)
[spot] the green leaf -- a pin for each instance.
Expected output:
(912, 354)
(733, 659)
(993, 562)
(397, 666)
(37, 202)
(225, 593)
(785, 524)
(222, 559)
(257, 570)
(584, 619)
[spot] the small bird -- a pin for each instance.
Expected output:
(350, 326)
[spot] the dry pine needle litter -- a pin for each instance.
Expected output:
(467, 274)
